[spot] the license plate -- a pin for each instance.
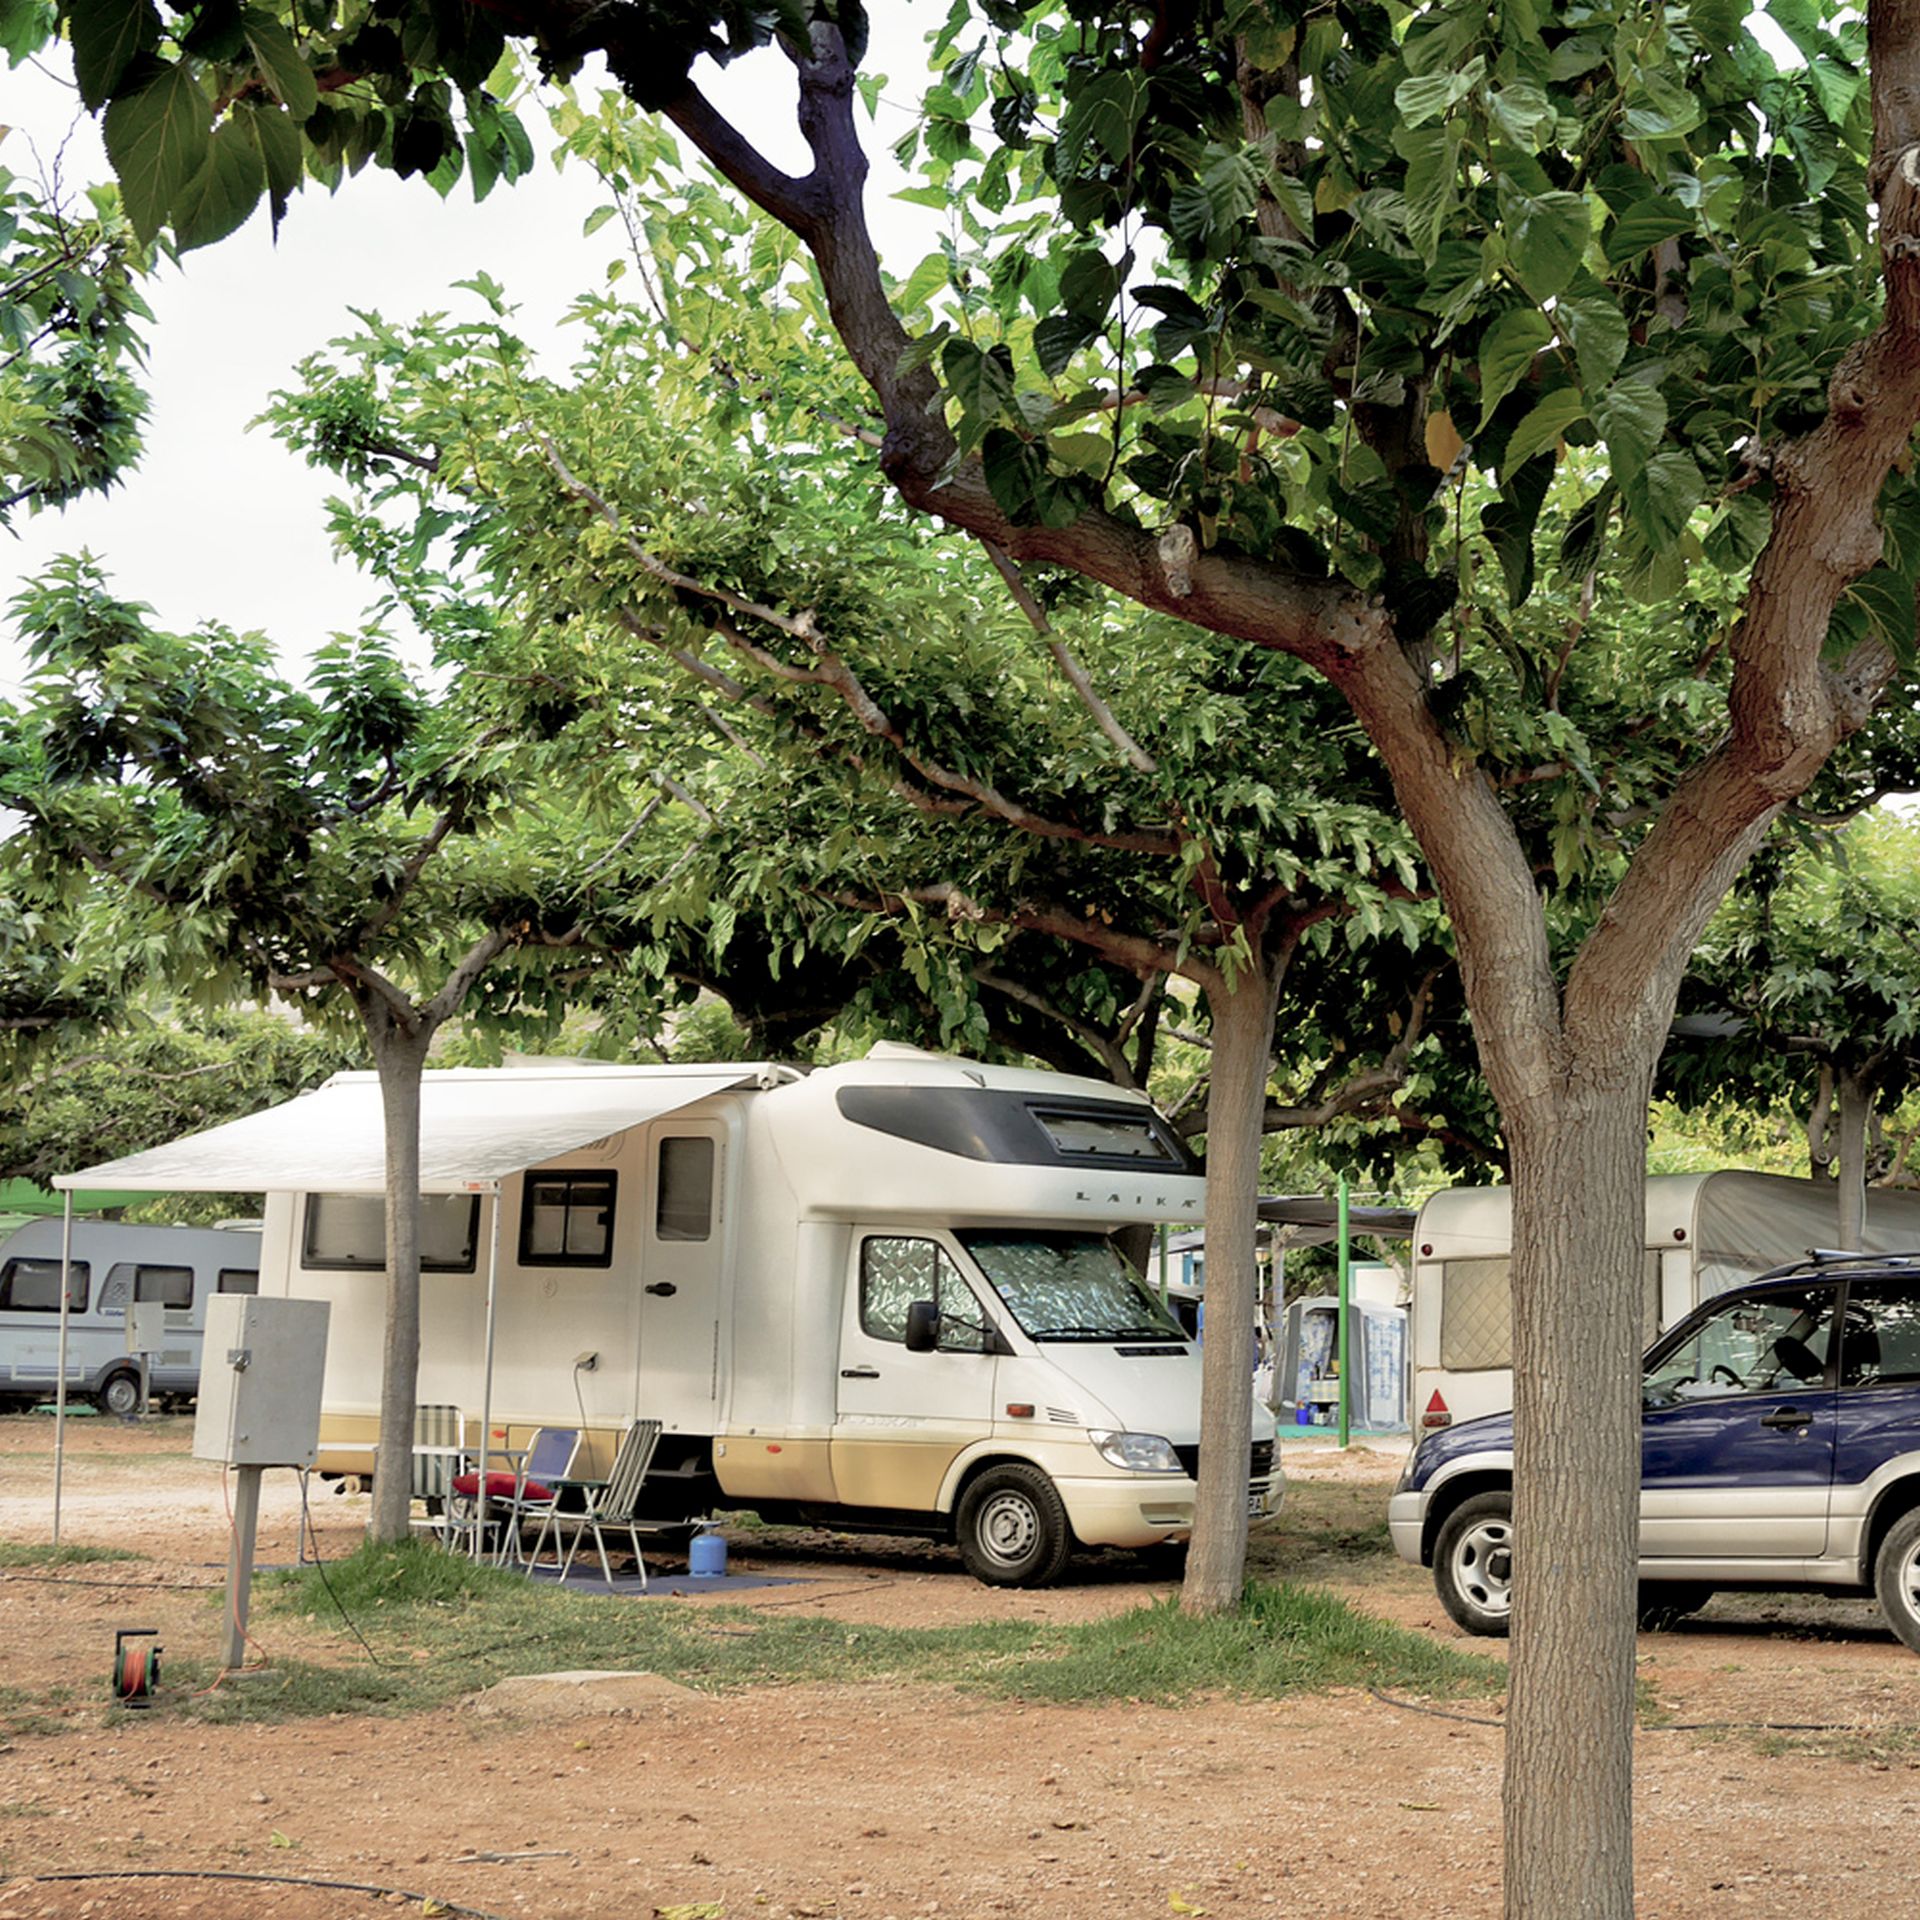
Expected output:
(1256, 1503)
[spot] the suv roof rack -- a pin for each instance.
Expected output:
(1823, 1259)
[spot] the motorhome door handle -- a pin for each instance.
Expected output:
(1787, 1419)
(663, 1289)
(859, 1373)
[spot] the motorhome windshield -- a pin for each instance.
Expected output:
(1070, 1286)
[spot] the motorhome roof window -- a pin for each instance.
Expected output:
(895, 1271)
(683, 1205)
(1070, 1286)
(33, 1286)
(239, 1279)
(1105, 1136)
(171, 1286)
(349, 1230)
(566, 1220)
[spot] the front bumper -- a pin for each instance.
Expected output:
(1406, 1523)
(1138, 1510)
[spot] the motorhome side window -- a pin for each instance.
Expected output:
(33, 1286)
(171, 1286)
(566, 1220)
(1105, 1136)
(894, 1273)
(350, 1230)
(684, 1207)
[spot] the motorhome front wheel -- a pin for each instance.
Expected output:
(1013, 1528)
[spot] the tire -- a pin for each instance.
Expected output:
(1665, 1603)
(1473, 1563)
(118, 1393)
(1012, 1528)
(1896, 1577)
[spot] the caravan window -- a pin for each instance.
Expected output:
(684, 1207)
(896, 1272)
(566, 1220)
(1476, 1310)
(239, 1280)
(171, 1286)
(349, 1230)
(33, 1286)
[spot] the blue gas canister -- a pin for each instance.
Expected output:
(707, 1556)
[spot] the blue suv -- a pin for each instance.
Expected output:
(1780, 1447)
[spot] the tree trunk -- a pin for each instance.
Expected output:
(1856, 1106)
(400, 1056)
(1579, 1173)
(1236, 1102)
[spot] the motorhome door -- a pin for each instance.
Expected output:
(681, 1264)
(903, 1417)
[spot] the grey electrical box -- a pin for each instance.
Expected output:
(260, 1376)
(146, 1326)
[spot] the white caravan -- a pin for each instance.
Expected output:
(879, 1296)
(114, 1265)
(1705, 1232)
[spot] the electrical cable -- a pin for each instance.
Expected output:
(320, 1567)
(1664, 1726)
(263, 1879)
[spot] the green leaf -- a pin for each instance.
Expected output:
(218, 199)
(1837, 88)
(107, 34)
(1742, 528)
(1546, 238)
(281, 153)
(288, 77)
(157, 140)
(1427, 96)
(1630, 417)
(1507, 353)
(1661, 497)
(1058, 338)
(981, 382)
(1598, 330)
(1542, 428)
(1432, 155)
(1643, 225)
(1509, 521)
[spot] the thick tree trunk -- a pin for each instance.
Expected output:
(1236, 1099)
(400, 1056)
(1579, 1171)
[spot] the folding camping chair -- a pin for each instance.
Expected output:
(517, 1496)
(612, 1502)
(439, 1450)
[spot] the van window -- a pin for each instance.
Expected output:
(349, 1230)
(239, 1280)
(684, 1208)
(566, 1220)
(33, 1286)
(171, 1286)
(896, 1272)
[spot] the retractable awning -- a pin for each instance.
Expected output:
(477, 1126)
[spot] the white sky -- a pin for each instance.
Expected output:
(225, 524)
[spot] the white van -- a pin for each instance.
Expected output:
(879, 1296)
(113, 1266)
(1705, 1232)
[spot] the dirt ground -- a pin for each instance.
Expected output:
(881, 1801)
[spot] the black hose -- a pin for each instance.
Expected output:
(264, 1879)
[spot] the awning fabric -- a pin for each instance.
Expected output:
(476, 1127)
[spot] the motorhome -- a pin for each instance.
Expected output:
(880, 1296)
(1705, 1232)
(114, 1266)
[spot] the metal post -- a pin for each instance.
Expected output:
(246, 1527)
(60, 1385)
(1163, 1262)
(1346, 1288)
(486, 1383)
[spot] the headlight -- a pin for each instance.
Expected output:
(1137, 1452)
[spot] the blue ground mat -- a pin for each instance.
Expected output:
(581, 1580)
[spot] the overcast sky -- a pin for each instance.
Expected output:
(225, 524)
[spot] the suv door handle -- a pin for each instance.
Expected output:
(1787, 1419)
(663, 1289)
(859, 1373)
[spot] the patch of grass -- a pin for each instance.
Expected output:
(18, 1554)
(442, 1628)
(1333, 1530)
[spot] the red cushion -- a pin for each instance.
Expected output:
(500, 1486)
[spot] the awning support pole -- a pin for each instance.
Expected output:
(60, 1386)
(486, 1381)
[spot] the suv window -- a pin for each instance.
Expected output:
(1748, 1345)
(1880, 1340)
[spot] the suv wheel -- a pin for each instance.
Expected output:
(1473, 1563)
(1896, 1577)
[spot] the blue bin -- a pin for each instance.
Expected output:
(707, 1556)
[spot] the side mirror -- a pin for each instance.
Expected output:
(923, 1326)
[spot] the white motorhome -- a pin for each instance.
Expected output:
(114, 1265)
(880, 1296)
(1705, 1232)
